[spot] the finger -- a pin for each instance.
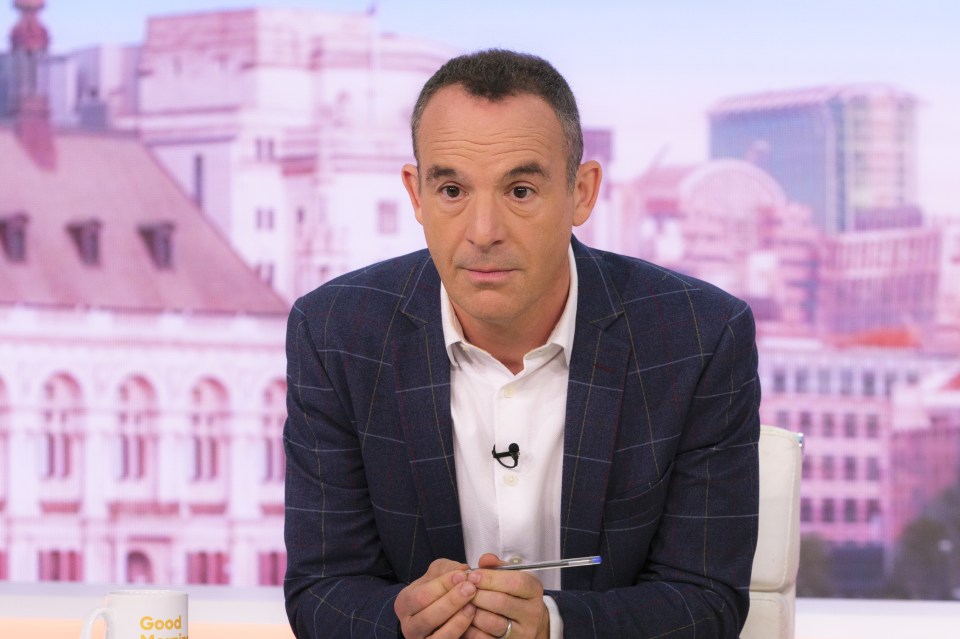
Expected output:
(428, 589)
(458, 625)
(502, 605)
(440, 567)
(444, 613)
(489, 560)
(488, 623)
(517, 583)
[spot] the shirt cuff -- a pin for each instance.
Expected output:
(556, 621)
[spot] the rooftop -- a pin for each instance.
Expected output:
(769, 100)
(108, 189)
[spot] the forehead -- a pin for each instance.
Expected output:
(455, 122)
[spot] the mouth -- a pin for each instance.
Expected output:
(484, 275)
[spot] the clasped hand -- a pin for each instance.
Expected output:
(451, 601)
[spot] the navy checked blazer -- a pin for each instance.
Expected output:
(660, 469)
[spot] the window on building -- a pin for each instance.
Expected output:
(265, 272)
(13, 236)
(783, 419)
(806, 510)
(850, 425)
(301, 215)
(274, 414)
(846, 382)
(827, 470)
(873, 469)
(264, 148)
(850, 510)
(801, 381)
(779, 380)
(873, 426)
(388, 222)
(139, 568)
(136, 434)
(873, 510)
(60, 414)
(806, 421)
(198, 180)
(265, 219)
(827, 425)
(4, 567)
(807, 467)
(273, 566)
(869, 383)
(889, 381)
(208, 568)
(208, 418)
(158, 238)
(828, 510)
(60, 565)
(850, 468)
(86, 238)
(824, 381)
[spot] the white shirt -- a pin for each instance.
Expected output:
(514, 513)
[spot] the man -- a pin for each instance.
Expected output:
(620, 401)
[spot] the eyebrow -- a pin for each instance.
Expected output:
(436, 172)
(531, 168)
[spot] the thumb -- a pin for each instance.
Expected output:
(489, 560)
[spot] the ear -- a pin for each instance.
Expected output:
(586, 190)
(411, 181)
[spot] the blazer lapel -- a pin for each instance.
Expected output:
(423, 383)
(598, 372)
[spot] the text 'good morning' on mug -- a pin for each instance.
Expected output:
(142, 614)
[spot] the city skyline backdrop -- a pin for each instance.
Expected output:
(666, 64)
(280, 134)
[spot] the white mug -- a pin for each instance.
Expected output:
(142, 614)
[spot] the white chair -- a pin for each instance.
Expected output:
(773, 584)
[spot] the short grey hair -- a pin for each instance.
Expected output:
(495, 74)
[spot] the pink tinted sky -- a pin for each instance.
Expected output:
(651, 70)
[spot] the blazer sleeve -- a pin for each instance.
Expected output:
(338, 582)
(695, 582)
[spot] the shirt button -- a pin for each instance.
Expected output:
(510, 479)
(509, 391)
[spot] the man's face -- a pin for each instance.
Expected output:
(497, 211)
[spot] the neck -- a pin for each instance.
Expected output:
(509, 341)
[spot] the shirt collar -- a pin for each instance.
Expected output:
(562, 334)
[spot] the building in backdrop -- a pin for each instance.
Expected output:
(847, 152)
(269, 141)
(141, 365)
(727, 222)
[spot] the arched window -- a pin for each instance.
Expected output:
(62, 405)
(274, 414)
(272, 567)
(60, 565)
(208, 419)
(136, 434)
(208, 567)
(139, 568)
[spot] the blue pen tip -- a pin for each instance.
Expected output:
(596, 560)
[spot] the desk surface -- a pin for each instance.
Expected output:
(67, 628)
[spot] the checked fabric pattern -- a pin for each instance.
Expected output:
(660, 471)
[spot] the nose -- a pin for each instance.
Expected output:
(485, 223)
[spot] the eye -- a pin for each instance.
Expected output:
(451, 191)
(522, 192)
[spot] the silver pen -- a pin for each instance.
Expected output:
(555, 563)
